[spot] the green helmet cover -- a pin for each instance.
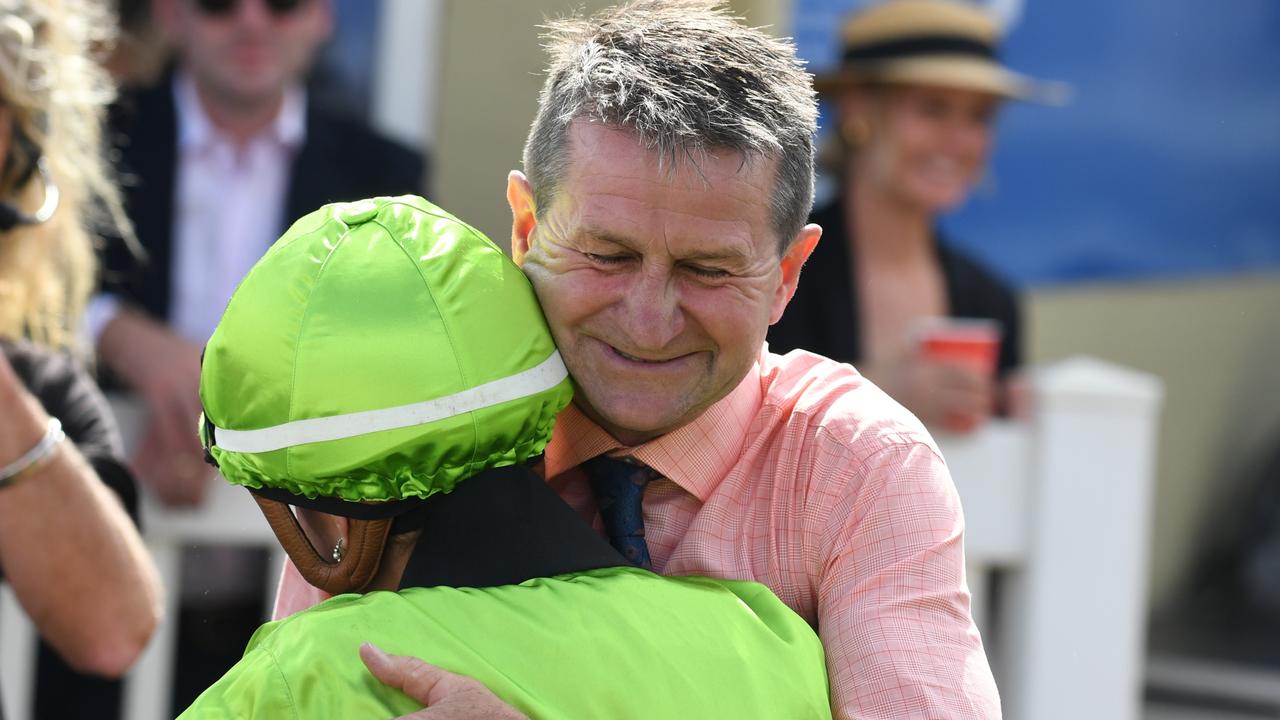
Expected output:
(380, 350)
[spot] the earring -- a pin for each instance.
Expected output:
(339, 549)
(855, 132)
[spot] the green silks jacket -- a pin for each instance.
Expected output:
(615, 643)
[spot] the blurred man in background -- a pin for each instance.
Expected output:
(221, 154)
(224, 151)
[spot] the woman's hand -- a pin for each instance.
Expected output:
(445, 695)
(946, 395)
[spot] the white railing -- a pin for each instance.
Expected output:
(1059, 504)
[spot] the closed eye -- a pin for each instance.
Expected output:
(607, 259)
(709, 273)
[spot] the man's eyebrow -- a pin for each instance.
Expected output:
(722, 254)
(605, 237)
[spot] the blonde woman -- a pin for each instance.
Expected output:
(67, 544)
(916, 96)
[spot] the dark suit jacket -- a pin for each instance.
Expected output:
(341, 159)
(823, 316)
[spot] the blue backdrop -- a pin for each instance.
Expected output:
(1165, 163)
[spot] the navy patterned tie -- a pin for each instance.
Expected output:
(619, 489)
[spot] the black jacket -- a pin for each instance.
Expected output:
(823, 317)
(341, 159)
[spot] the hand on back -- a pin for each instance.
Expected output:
(445, 695)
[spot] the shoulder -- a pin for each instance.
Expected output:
(256, 686)
(841, 441)
(31, 363)
(137, 107)
(820, 401)
(343, 622)
(861, 464)
(63, 386)
(66, 391)
(343, 157)
(56, 379)
(357, 138)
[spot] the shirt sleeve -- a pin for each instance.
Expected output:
(67, 392)
(893, 606)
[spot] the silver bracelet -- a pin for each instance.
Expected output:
(48, 445)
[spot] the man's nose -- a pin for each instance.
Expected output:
(653, 316)
(253, 13)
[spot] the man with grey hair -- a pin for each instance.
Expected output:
(661, 222)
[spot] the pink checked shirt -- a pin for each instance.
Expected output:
(809, 479)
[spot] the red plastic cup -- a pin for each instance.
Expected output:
(970, 342)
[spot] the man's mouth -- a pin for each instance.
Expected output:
(643, 360)
(634, 358)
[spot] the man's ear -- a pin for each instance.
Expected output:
(792, 260)
(524, 214)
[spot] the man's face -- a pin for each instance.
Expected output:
(658, 282)
(246, 52)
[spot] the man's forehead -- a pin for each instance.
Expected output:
(595, 144)
(614, 188)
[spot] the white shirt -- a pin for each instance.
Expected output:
(228, 206)
(229, 203)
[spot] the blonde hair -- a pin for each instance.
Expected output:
(55, 93)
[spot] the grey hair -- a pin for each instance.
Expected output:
(687, 77)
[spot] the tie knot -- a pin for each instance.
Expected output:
(611, 471)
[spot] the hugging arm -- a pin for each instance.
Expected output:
(893, 607)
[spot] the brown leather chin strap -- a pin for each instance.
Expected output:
(359, 564)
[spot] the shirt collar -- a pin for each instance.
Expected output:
(695, 456)
(195, 129)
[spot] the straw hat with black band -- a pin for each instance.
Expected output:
(930, 42)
